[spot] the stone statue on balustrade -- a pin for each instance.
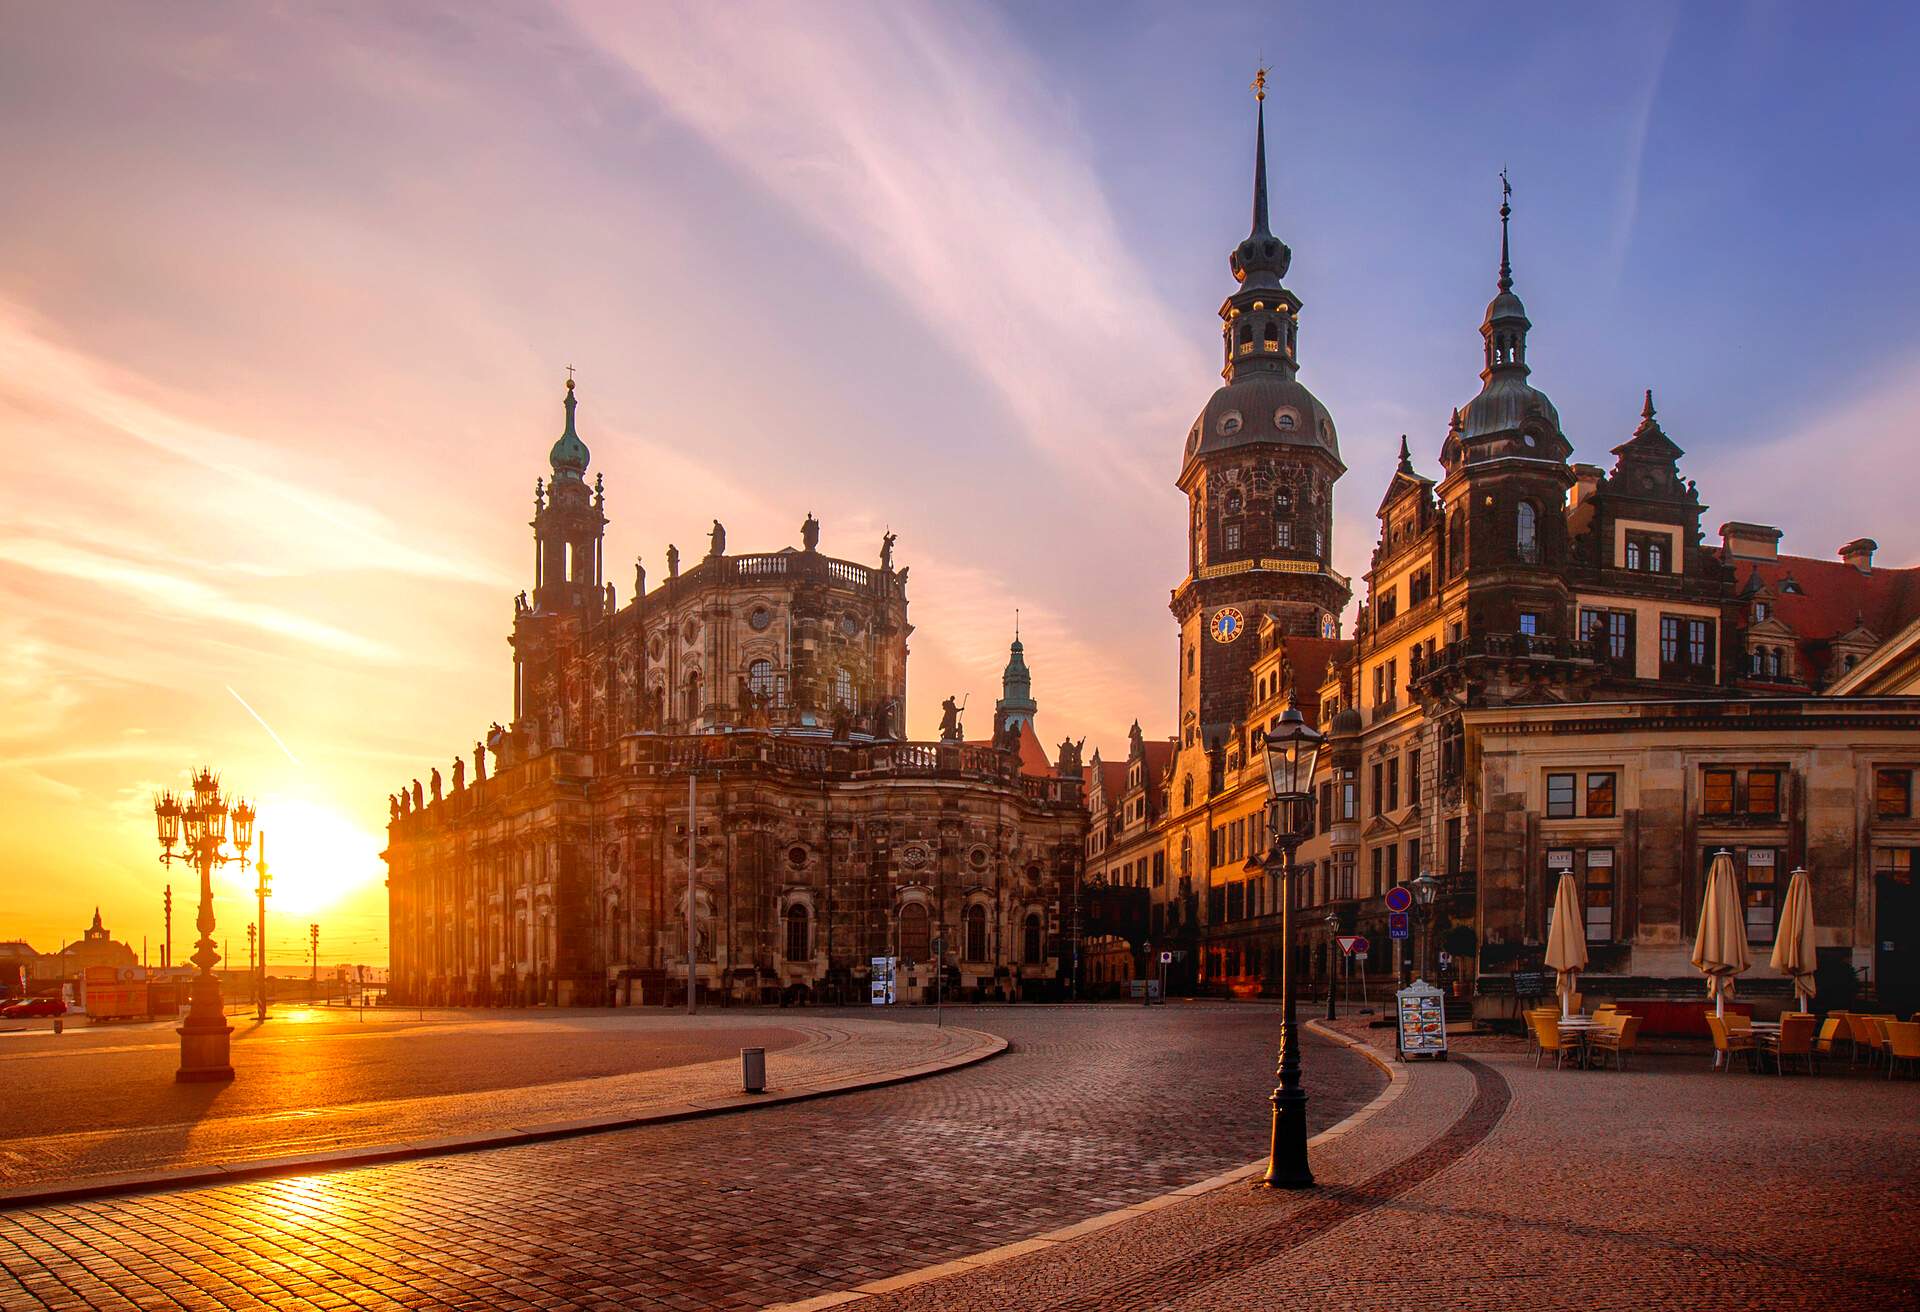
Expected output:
(434, 777)
(459, 774)
(949, 721)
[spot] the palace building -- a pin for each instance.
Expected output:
(1553, 670)
(732, 737)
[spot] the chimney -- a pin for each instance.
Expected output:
(1859, 554)
(1586, 481)
(1750, 541)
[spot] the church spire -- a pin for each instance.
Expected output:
(569, 456)
(1506, 208)
(1260, 228)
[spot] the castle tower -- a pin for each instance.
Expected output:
(1258, 470)
(1016, 704)
(1505, 489)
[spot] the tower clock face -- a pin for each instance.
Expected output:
(1226, 624)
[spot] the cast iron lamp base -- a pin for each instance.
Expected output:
(1287, 1153)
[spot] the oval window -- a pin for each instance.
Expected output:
(1229, 423)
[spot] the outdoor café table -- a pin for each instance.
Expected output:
(1766, 1033)
(1581, 1028)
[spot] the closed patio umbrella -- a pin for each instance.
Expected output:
(1793, 953)
(1720, 948)
(1567, 940)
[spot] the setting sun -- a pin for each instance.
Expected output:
(319, 859)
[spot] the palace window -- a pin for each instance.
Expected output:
(1456, 542)
(797, 935)
(1342, 876)
(1387, 606)
(1599, 895)
(1600, 795)
(1530, 623)
(760, 680)
(1393, 783)
(1727, 791)
(1349, 796)
(1419, 587)
(1760, 611)
(1231, 537)
(1526, 537)
(1377, 859)
(1413, 777)
(1379, 792)
(1559, 796)
(1699, 643)
(976, 923)
(1893, 794)
(1283, 534)
(1646, 552)
(916, 942)
(1669, 640)
(1283, 498)
(1032, 940)
(843, 689)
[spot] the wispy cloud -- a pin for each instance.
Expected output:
(929, 145)
(277, 741)
(1639, 129)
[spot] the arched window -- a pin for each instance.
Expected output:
(1186, 854)
(976, 922)
(1033, 940)
(916, 942)
(797, 935)
(1283, 499)
(760, 680)
(1526, 532)
(843, 689)
(1186, 791)
(1456, 542)
(692, 696)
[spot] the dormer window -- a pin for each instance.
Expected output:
(1285, 421)
(1229, 423)
(1760, 611)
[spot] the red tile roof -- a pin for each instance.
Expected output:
(1833, 597)
(1309, 658)
(1033, 757)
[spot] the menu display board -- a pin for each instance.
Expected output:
(1423, 1021)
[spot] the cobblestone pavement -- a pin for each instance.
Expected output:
(1094, 1108)
(107, 1104)
(1490, 1183)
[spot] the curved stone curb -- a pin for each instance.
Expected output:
(1397, 1082)
(186, 1177)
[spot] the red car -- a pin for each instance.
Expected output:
(34, 1007)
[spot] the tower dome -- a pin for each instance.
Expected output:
(1507, 403)
(569, 456)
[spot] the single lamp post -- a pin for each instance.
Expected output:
(262, 890)
(197, 824)
(1333, 956)
(1425, 889)
(1292, 750)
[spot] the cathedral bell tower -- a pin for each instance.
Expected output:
(1258, 471)
(1016, 705)
(569, 524)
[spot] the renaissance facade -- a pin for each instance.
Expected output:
(730, 737)
(1553, 670)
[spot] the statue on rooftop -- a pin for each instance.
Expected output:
(673, 561)
(949, 721)
(434, 776)
(459, 774)
(717, 539)
(810, 532)
(886, 551)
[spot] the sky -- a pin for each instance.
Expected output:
(288, 292)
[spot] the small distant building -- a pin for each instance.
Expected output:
(95, 947)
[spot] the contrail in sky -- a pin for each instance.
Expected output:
(264, 725)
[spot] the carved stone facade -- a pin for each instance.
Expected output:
(762, 696)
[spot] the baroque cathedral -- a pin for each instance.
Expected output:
(1553, 671)
(718, 768)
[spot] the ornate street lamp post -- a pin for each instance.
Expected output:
(1293, 748)
(1425, 888)
(198, 825)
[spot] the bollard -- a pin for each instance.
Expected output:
(59, 1025)
(753, 1070)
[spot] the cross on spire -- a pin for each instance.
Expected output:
(1506, 208)
(1259, 83)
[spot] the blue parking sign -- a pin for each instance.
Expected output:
(1397, 925)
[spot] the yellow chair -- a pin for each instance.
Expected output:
(1617, 1040)
(1865, 1035)
(1795, 1042)
(1727, 1042)
(1833, 1033)
(1737, 1020)
(1548, 1039)
(1903, 1045)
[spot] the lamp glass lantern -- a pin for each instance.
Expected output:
(1292, 752)
(1426, 888)
(243, 816)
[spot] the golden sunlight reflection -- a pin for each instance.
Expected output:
(318, 857)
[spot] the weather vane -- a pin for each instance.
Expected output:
(1506, 188)
(1259, 83)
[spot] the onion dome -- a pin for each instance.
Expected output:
(569, 456)
(1507, 401)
